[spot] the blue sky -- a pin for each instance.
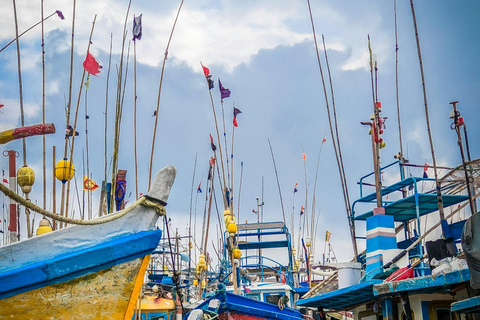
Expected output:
(263, 51)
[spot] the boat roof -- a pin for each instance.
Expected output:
(349, 297)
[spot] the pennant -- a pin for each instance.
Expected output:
(89, 184)
(211, 85)
(324, 140)
(137, 28)
(301, 210)
(236, 111)
(5, 181)
(327, 236)
(224, 93)
(206, 72)
(304, 156)
(91, 65)
(212, 161)
(295, 187)
(214, 147)
(199, 189)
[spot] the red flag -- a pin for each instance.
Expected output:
(206, 72)
(301, 210)
(324, 140)
(5, 181)
(304, 156)
(91, 65)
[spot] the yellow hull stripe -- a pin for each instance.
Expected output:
(137, 288)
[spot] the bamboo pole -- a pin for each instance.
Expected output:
(43, 115)
(158, 97)
(135, 113)
(69, 107)
(427, 118)
(344, 189)
(76, 116)
(54, 198)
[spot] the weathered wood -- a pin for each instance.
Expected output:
(27, 131)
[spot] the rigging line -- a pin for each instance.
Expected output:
(437, 184)
(347, 204)
(190, 215)
(159, 92)
(315, 187)
(278, 182)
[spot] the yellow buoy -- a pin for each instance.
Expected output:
(232, 228)
(237, 253)
(64, 170)
(195, 282)
(204, 284)
(25, 178)
(43, 227)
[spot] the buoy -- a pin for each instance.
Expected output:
(232, 228)
(25, 178)
(64, 170)
(237, 253)
(43, 227)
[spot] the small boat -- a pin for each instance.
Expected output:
(83, 272)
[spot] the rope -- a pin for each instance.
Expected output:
(160, 209)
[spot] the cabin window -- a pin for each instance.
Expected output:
(273, 298)
(440, 310)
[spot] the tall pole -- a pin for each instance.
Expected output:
(458, 122)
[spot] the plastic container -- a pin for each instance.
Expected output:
(349, 274)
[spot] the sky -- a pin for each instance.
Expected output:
(264, 52)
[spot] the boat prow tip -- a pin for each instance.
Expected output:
(162, 184)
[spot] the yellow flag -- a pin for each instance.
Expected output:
(327, 236)
(89, 184)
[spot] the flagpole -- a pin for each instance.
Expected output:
(89, 194)
(158, 97)
(226, 149)
(231, 158)
(218, 136)
(315, 188)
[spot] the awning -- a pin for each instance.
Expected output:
(342, 299)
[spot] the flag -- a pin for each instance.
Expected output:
(295, 187)
(304, 156)
(425, 168)
(137, 28)
(89, 184)
(91, 65)
(199, 189)
(69, 131)
(214, 147)
(224, 93)
(324, 140)
(206, 72)
(5, 180)
(327, 236)
(212, 161)
(301, 210)
(236, 111)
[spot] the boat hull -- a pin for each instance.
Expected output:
(104, 294)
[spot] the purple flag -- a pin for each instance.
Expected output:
(224, 92)
(137, 28)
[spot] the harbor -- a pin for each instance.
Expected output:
(201, 160)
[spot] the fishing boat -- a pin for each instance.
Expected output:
(90, 271)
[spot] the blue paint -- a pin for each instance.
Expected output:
(78, 263)
(243, 305)
(342, 299)
(425, 314)
(380, 221)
